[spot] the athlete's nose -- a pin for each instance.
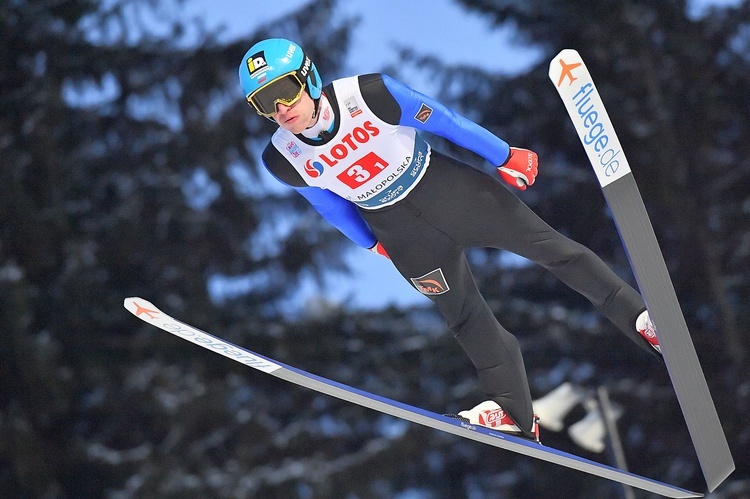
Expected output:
(281, 110)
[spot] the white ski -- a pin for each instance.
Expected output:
(149, 313)
(584, 105)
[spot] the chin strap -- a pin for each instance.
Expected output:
(324, 120)
(317, 106)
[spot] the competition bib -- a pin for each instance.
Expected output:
(368, 161)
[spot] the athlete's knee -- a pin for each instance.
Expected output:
(460, 315)
(569, 254)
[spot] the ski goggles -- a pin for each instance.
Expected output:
(285, 89)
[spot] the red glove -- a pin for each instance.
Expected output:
(380, 250)
(520, 169)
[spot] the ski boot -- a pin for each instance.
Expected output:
(646, 328)
(490, 415)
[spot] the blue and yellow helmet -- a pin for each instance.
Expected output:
(279, 64)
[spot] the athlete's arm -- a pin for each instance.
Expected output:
(396, 103)
(342, 214)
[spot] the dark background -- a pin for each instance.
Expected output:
(118, 177)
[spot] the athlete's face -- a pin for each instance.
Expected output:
(298, 116)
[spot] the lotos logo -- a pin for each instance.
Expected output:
(350, 142)
(432, 283)
(257, 62)
(313, 168)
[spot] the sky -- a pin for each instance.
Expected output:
(434, 27)
(439, 28)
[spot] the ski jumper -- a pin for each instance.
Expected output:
(377, 180)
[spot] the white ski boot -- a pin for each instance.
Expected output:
(490, 415)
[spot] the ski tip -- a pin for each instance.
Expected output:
(138, 306)
(562, 65)
(130, 301)
(568, 53)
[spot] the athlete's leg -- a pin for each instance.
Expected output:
(483, 213)
(436, 266)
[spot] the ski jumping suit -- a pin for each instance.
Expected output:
(376, 179)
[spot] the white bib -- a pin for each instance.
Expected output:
(368, 161)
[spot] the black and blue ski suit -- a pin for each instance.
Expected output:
(376, 179)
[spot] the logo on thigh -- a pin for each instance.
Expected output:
(432, 283)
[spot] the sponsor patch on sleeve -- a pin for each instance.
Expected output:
(424, 113)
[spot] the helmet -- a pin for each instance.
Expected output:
(269, 61)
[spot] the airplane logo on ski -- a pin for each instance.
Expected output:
(567, 70)
(143, 310)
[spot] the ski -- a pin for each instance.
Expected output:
(152, 315)
(584, 105)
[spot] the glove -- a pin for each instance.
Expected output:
(380, 250)
(520, 169)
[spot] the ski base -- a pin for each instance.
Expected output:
(149, 313)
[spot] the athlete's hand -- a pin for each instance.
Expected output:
(520, 169)
(380, 250)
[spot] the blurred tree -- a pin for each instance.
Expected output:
(129, 165)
